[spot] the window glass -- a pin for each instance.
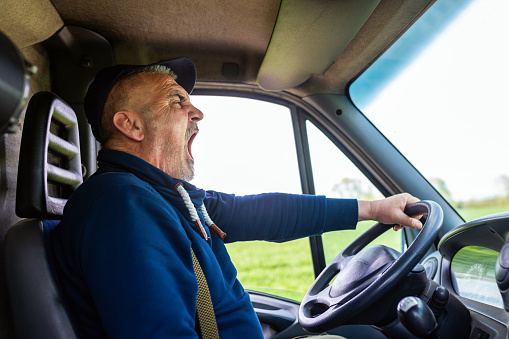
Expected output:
(335, 176)
(247, 147)
(439, 95)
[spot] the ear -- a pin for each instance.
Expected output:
(130, 124)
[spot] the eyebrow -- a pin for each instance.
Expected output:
(181, 93)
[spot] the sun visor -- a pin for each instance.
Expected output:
(308, 37)
(29, 22)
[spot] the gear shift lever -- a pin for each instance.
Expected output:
(417, 318)
(438, 301)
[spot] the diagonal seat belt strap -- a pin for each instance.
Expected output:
(204, 308)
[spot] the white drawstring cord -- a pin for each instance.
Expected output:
(194, 214)
(187, 200)
(206, 216)
(211, 224)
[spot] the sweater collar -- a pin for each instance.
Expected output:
(118, 161)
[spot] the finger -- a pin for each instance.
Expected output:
(413, 223)
(411, 199)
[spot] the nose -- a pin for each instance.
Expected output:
(194, 113)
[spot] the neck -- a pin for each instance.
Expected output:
(149, 153)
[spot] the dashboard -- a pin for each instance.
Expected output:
(466, 264)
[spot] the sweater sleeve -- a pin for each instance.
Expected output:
(137, 263)
(278, 216)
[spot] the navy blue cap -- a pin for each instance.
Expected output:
(98, 91)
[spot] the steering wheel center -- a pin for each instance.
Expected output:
(362, 269)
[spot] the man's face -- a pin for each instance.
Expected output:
(173, 127)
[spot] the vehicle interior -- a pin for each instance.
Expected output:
(348, 99)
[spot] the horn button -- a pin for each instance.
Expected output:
(361, 270)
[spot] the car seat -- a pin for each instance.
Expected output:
(49, 171)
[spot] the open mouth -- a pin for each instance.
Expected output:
(190, 142)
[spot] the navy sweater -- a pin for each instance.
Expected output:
(122, 249)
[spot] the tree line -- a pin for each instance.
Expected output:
(356, 188)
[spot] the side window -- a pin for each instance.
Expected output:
(246, 147)
(335, 176)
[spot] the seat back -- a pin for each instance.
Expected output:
(49, 170)
(38, 309)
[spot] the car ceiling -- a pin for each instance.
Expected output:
(300, 46)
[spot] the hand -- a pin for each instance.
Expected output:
(390, 211)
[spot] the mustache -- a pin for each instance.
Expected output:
(192, 130)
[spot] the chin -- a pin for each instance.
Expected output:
(188, 173)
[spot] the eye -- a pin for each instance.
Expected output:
(177, 99)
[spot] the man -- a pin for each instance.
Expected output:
(123, 248)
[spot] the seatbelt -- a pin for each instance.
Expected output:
(205, 317)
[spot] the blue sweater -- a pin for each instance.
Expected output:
(122, 249)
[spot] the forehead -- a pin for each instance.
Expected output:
(146, 83)
(160, 81)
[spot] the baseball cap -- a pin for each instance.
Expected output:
(106, 78)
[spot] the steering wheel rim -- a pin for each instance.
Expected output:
(318, 298)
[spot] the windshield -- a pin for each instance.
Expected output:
(439, 95)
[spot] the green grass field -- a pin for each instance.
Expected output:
(476, 212)
(286, 269)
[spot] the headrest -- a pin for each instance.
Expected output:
(49, 160)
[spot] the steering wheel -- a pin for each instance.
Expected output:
(363, 275)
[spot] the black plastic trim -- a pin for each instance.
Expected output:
(35, 173)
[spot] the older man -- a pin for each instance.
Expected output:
(124, 247)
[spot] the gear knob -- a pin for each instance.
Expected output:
(417, 317)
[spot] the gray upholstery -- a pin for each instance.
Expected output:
(36, 303)
(49, 171)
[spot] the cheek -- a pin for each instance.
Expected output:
(171, 124)
(172, 132)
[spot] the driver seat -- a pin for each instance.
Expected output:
(49, 171)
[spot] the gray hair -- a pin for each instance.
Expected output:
(156, 69)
